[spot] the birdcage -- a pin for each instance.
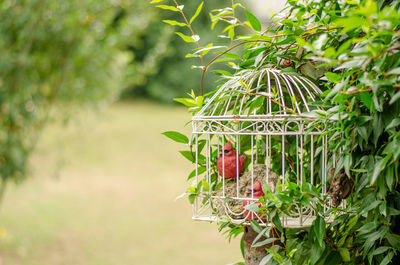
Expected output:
(256, 128)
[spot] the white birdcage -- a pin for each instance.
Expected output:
(263, 113)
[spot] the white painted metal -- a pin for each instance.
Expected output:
(284, 120)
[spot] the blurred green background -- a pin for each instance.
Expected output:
(99, 187)
(102, 191)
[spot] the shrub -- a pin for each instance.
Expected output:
(351, 49)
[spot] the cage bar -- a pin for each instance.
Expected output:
(280, 142)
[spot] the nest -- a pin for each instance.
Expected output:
(225, 205)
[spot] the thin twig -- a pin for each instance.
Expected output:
(275, 101)
(393, 48)
(256, 41)
(219, 55)
(327, 204)
(356, 91)
(193, 34)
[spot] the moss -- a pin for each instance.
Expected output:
(226, 205)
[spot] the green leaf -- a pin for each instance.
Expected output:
(393, 240)
(330, 52)
(176, 136)
(231, 33)
(344, 47)
(191, 198)
(208, 48)
(256, 104)
(363, 132)
(378, 127)
(394, 123)
(319, 229)
(192, 158)
(289, 70)
(197, 12)
(301, 42)
(205, 185)
(367, 228)
(189, 102)
(266, 260)
(254, 22)
(172, 8)
(350, 23)
(377, 170)
(320, 41)
(392, 211)
(274, 251)
(255, 226)
(184, 37)
(192, 55)
(188, 155)
(230, 55)
(354, 63)
(247, 63)
(175, 23)
(347, 163)
(378, 103)
(335, 78)
(222, 72)
(200, 171)
(394, 98)
(264, 242)
(394, 71)
(252, 207)
(380, 250)
(201, 145)
(344, 252)
(277, 222)
(156, 1)
(333, 258)
(316, 253)
(387, 259)
(368, 9)
(367, 100)
(242, 246)
(370, 206)
(264, 232)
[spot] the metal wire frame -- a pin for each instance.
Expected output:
(302, 171)
(285, 94)
(256, 126)
(228, 115)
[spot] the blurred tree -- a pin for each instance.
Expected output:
(54, 55)
(159, 69)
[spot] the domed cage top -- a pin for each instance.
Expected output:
(285, 95)
(254, 133)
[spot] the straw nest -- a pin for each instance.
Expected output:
(225, 205)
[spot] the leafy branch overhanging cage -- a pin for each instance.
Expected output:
(263, 113)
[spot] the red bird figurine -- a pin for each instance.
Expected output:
(229, 165)
(257, 192)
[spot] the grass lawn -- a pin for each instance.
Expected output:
(102, 191)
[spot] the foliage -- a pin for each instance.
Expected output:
(56, 55)
(158, 68)
(351, 49)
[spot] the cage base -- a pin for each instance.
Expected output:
(289, 222)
